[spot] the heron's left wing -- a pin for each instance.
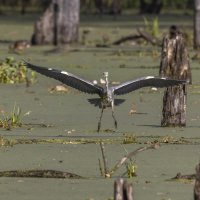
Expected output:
(68, 79)
(148, 81)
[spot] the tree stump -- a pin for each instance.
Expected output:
(197, 183)
(197, 24)
(123, 190)
(59, 23)
(175, 65)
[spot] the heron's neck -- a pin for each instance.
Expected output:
(106, 79)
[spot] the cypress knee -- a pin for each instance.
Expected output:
(174, 64)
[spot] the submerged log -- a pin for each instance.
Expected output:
(39, 174)
(174, 64)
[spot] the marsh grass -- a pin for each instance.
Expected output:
(152, 26)
(13, 119)
(131, 169)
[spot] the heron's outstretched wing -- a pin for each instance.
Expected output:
(68, 79)
(144, 82)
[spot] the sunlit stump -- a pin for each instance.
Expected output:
(174, 64)
(59, 24)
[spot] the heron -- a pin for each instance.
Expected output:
(106, 93)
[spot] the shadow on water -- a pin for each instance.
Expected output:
(171, 127)
(5, 41)
(149, 125)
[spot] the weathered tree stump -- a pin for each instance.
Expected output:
(123, 190)
(174, 64)
(59, 23)
(197, 24)
(197, 183)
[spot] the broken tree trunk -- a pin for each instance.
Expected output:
(197, 24)
(59, 23)
(123, 190)
(174, 64)
(197, 183)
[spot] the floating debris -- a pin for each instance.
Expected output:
(59, 88)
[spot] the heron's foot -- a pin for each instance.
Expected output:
(115, 124)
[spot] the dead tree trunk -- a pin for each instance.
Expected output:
(175, 65)
(123, 190)
(197, 24)
(59, 23)
(197, 184)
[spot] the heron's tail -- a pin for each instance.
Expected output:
(97, 101)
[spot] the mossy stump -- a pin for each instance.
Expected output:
(175, 65)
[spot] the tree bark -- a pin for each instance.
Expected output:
(59, 22)
(197, 183)
(123, 190)
(197, 24)
(174, 65)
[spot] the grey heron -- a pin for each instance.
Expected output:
(106, 93)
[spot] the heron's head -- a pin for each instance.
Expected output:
(105, 74)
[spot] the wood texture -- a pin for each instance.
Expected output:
(174, 64)
(64, 30)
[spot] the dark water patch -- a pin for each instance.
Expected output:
(42, 125)
(149, 125)
(39, 174)
(6, 41)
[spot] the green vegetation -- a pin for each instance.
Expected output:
(131, 169)
(12, 72)
(152, 26)
(11, 120)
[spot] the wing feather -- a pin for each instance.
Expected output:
(68, 79)
(148, 81)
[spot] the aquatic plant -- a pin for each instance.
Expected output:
(152, 27)
(129, 139)
(11, 120)
(13, 72)
(131, 169)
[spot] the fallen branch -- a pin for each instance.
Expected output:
(105, 161)
(141, 35)
(128, 156)
(148, 37)
(126, 38)
(179, 176)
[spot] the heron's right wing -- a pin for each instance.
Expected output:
(68, 79)
(148, 81)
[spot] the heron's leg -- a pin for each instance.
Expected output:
(115, 121)
(99, 123)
